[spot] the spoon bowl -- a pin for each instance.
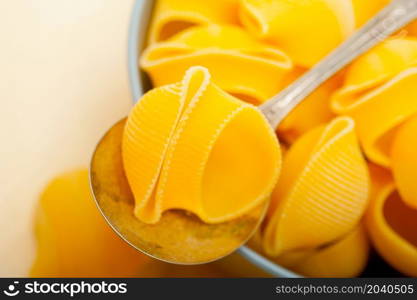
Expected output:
(179, 237)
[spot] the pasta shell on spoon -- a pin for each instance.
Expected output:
(188, 177)
(192, 146)
(373, 69)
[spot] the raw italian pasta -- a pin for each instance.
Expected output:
(391, 224)
(239, 63)
(192, 146)
(345, 258)
(305, 29)
(377, 93)
(322, 192)
(173, 16)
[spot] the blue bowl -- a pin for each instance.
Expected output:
(139, 83)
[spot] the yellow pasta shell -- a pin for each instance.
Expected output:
(170, 17)
(345, 258)
(192, 146)
(404, 161)
(373, 69)
(239, 64)
(298, 27)
(391, 224)
(379, 113)
(322, 192)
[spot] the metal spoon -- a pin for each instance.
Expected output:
(180, 237)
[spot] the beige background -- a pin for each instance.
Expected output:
(63, 81)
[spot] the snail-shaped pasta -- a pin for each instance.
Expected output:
(366, 9)
(171, 17)
(192, 146)
(73, 239)
(392, 224)
(378, 94)
(238, 63)
(322, 192)
(345, 258)
(305, 29)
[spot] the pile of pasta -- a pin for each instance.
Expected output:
(349, 173)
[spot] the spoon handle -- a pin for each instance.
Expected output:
(392, 18)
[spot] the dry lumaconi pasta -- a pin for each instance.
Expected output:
(173, 16)
(225, 51)
(373, 69)
(194, 135)
(379, 113)
(73, 239)
(392, 224)
(344, 258)
(322, 192)
(305, 29)
(377, 95)
(404, 161)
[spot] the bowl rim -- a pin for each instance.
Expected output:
(136, 41)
